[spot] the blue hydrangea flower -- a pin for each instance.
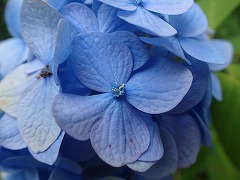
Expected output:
(114, 120)
(190, 26)
(28, 91)
(142, 13)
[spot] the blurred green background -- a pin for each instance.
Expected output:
(223, 160)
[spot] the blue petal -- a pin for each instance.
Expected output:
(68, 165)
(198, 88)
(202, 50)
(33, 66)
(147, 22)
(35, 119)
(109, 21)
(81, 17)
(12, 88)
(77, 114)
(39, 23)
(168, 163)
(12, 17)
(206, 137)
(191, 23)
(61, 174)
(10, 137)
(160, 87)
(140, 166)
(121, 136)
(186, 133)
(99, 63)
(56, 4)
(138, 49)
(63, 46)
(226, 49)
(216, 87)
(26, 174)
(50, 155)
(13, 52)
(127, 5)
(172, 7)
(170, 43)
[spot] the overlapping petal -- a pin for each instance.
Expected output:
(159, 87)
(39, 23)
(147, 22)
(36, 123)
(121, 136)
(128, 5)
(76, 115)
(99, 63)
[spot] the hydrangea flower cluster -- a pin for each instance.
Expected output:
(91, 89)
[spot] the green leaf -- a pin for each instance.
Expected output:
(218, 10)
(226, 114)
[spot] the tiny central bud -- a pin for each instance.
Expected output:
(118, 91)
(139, 2)
(44, 72)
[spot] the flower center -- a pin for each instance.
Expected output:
(45, 72)
(118, 91)
(139, 2)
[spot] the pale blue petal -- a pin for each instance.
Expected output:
(168, 163)
(10, 136)
(81, 17)
(109, 21)
(33, 66)
(216, 87)
(63, 46)
(170, 43)
(50, 155)
(39, 23)
(147, 22)
(128, 5)
(121, 136)
(198, 88)
(226, 48)
(77, 114)
(12, 17)
(12, 88)
(13, 52)
(138, 49)
(36, 122)
(186, 133)
(56, 4)
(140, 166)
(191, 23)
(172, 7)
(99, 63)
(159, 87)
(202, 50)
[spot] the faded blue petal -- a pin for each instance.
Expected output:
(121, 136)
(77, 114)
(147, 22)
(168, 163)
(58, 174)
(25, 174)
(186, 133)
(138, 49)
(191, 23)
(39, 23)
(13, 52)
(50, 155)
(10, 136)
(81, 17)
(216, 87)
(172, 7)
(160, 87)
(202, 50)
(226, 48)
(127, 5)
(99, 63)
(12, 17)
(35, 119)
(109, 21)
(140, 166)
(33, 66)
